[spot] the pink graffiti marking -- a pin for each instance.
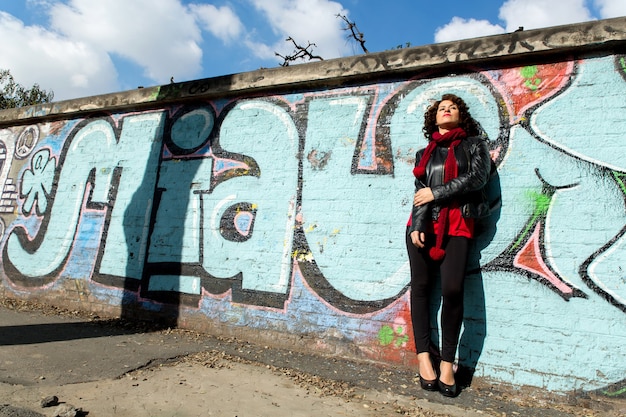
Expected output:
(529, 258)
(525, 87)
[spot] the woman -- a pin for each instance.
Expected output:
(450, 173)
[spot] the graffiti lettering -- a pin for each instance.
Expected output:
(295, 206)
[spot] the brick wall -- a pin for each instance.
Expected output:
(272, 205)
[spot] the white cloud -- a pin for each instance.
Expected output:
(305, 21)
(459, 28)
(70, 68)
(76, 51)
(159, 35)
(529, 14)
(611, 8)
(534, 14)
(222, 22)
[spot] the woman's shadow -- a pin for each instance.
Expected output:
(474, 330)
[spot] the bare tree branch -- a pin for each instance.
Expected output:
(305, 53)
(300, 52)
(354, 32)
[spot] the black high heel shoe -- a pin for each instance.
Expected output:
(447, 390)
(428, 385)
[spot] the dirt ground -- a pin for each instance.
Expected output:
(237, 379)
(210, 385)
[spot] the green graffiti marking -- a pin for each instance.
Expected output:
(387, 335)
(542, 203)
(616, 393)
(620, 177)
(529, 74)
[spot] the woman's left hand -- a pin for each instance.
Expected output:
(423, 196)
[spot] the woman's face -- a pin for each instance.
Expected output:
(447, 115)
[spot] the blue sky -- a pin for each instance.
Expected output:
(79, 48)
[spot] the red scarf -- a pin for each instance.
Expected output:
(451, 140)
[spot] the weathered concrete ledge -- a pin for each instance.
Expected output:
(576, 39)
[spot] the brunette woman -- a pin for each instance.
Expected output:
(449, 174)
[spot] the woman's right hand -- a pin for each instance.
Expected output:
(423, 196)
(418, 238)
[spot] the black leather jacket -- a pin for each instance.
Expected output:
(474, 165)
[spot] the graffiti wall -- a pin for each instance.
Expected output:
(287, 213)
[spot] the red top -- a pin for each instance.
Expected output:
(457, 224)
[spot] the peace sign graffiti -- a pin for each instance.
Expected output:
(26, 142)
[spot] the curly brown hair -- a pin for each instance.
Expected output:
(466, 121)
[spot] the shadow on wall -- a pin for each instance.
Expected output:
(475, 320)
(154, 291)
(139, 217)
(158, 291)
(474, 329)
(167, 279)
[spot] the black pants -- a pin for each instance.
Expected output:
(452, 272)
